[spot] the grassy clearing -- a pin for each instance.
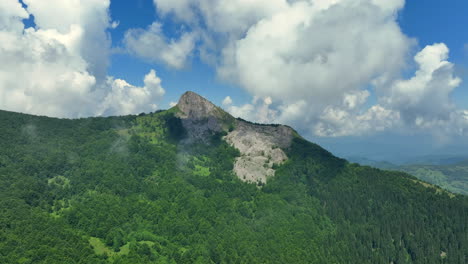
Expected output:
(101, 249)
(438, 189)
(201, 171)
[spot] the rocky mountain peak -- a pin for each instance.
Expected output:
(261, 146)
(201, 118)
(194, 106)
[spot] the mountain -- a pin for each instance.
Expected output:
(447, 173)
(261, 147)
(381, 164)
(192, 184)
(452, 177)
(437, 160)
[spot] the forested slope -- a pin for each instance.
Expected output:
(450, 173)
(126, 190)
(453, 177)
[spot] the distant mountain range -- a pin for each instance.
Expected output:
(448, 172)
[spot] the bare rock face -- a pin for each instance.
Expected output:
(200, 117)
(195, 107)
(261, 146)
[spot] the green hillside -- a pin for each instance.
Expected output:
(127, 190)
(452, 177)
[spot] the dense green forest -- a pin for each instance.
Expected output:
(125, 190)
(452, 176)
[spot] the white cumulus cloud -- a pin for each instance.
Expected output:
(258, 110)
(151, 45)
(227, 101)
(426, 96)
(220, 16)
(316, 50)
(420, 103)
(59, 67)
(11, 12)
(91, 15)
(125, 98)
(336, 122)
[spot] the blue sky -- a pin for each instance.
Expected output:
(381, 79)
